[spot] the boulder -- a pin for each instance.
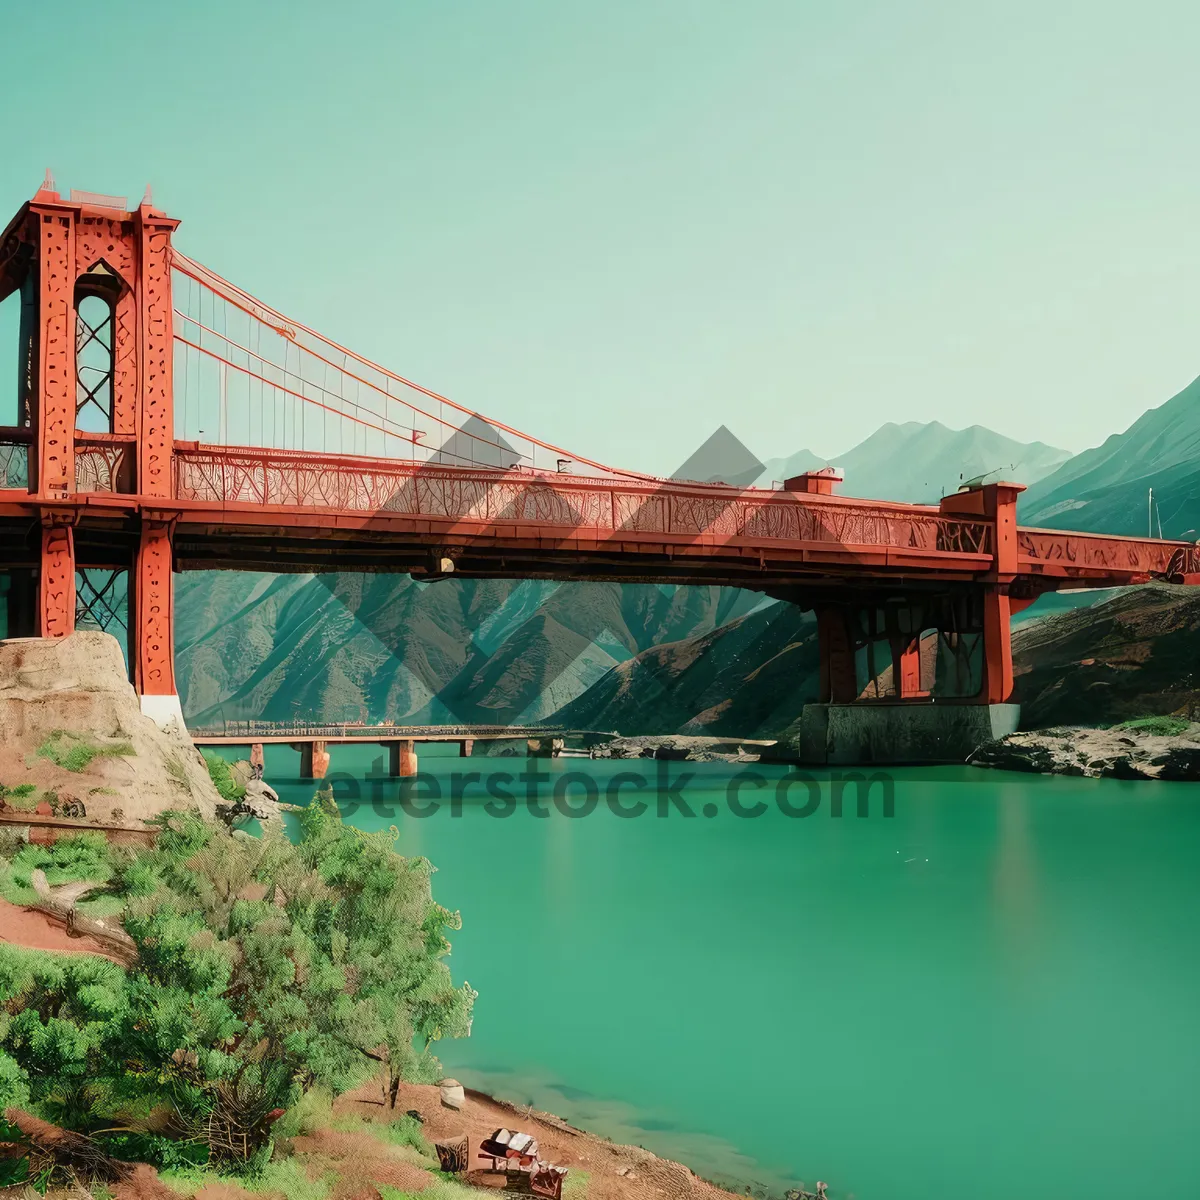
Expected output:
(452, 1094)
(262, 800)
(71, 724)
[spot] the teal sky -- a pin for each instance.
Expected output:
(618, 225)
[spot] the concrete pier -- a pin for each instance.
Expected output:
(314, 759)
(896, 734)
(402, 759)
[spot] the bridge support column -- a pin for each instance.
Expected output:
(402, 759)
(897, 733)
(56, 582)
(908, 669)
(838, 684)
(466, 747)
(997, 646)
(314, 760)
(154, 626)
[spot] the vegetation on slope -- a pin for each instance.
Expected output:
(221, 774)
(265, 969)
(75, 751)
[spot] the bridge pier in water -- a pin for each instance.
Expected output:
(402, 759)
(314, 759)
(915, 674)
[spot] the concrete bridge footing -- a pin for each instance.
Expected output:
(897, 734)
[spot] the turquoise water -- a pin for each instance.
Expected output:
(992, 992)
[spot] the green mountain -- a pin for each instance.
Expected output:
(922, 461)
(351, 647)
(748, 677)
(1107, 489)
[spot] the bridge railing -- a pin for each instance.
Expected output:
(354, 729)
(1057, 549)
(282, 479)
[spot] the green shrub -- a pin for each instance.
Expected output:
(313, 1110)
(82, 856)
(165, 1153)
(264, 970)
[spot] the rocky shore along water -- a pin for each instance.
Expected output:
(683, 747)
(1157, 748)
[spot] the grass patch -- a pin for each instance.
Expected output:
(23, 797)
(176, 769)
(75, 751)
(287, 1177)
(12, 888)
(103, 904)
(219, 772)
(439, 1189)
(404, 1131)
(1157, 726)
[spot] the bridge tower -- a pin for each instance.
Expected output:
(95, 417)
(910, 672)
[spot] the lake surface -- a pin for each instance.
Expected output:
(992, 992)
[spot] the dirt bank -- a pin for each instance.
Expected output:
(35, 931)
(614, 1172)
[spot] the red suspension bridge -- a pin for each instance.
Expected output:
(167, 420)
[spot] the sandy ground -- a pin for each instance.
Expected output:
(613, 1171)
(36, 931)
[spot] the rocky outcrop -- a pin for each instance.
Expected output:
(73, 739)
(1097, 753)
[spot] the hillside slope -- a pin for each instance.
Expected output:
(1135, 654)
(748, 678)
(1106, 488)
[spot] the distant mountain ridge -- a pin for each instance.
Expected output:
(1106, 489)
(920, 462)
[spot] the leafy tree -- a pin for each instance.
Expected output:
(56, 1026)
(383, 905)
(264, 969)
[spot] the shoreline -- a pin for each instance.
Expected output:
(613, 1169)
(1163, 749)
(708, 1155)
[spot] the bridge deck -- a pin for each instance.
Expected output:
(250, 509)
(242, 733)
